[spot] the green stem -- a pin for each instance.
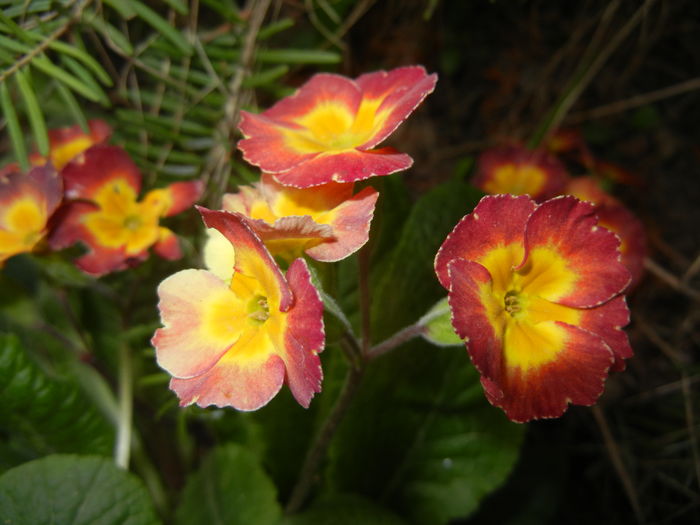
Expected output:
(399, 338)
(122, 448)
(322, 441)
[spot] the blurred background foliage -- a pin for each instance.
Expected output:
(420, 444)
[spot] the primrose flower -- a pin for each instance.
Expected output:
(329, 129)
(27, 201)
(614, 216)
(233, 341)
(327, 222)
(102, 186)
(534, 291)
(520, 171)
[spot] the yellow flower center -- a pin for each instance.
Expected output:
(516, 180)
(21, 226)
(521, 303)
(122, 221)
(331, 127)
(258, 309)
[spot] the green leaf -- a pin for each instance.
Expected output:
(111, 34)
(73, 490)
(424, 440)
(438, 324)
(162, 26)
(44, 64)
(86, 77)
(51, 415)
(406, 281)
(230, 487)
(274, 28)
(13, 127)
(298, 56)
(344, 509)
(36, 116)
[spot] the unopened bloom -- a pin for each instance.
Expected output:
(329, 129)
(534, 291)
(326, 222)
(519, 171)
(102, 187)
(616, 217)
(27, 201)
(233, 340)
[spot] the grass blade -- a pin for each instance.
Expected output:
(162, 26)
(73, 106)
(45, 65)
(36, 116)
(13, 127)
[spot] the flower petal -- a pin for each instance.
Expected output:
(345, 166)
(167, 245)
(350, 223)
(242, 384)
(97, 166)
(399, 92)
(67, 143)
(498, 221)
(473, 307)
(251, 257)
(576, 374)
(201, 321)
(174, 198)
(607, 321)
(566, 227)
(304, 337)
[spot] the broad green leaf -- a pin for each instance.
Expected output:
(344, 509)
(13, 127)
(73, 490)
(406, 283)
(230, 488)
(438, 324)
(36, 116)
(421, 437)
(49, 414)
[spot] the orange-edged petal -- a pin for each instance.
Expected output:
(498, 221)
(588, 188)
(99, 165)
(67, 143)
(473, 306)
(569, 143)
(350, 224)
(201, 318)
(345, 166)
(607, 321)
(266, 145)
(304, 337)
(251, 257)
(100, 261)
(167, 246)
(577, 375)
(567, 228)
(244, 385)
(176, 197)
(519, 171)
(633, 240)
(399, 92)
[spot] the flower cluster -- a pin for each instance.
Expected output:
(234, 333)
(544, 173)
(86, 191)
(535, 292)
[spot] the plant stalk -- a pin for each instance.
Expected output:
(122, 449)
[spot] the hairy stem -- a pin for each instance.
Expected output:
(396, 340)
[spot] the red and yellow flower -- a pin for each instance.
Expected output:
(535, 292)
(614, 216)
(329, 129)
(519, 171)
(102, 186)
(327, 222)
(234, 341)
(27, 201)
